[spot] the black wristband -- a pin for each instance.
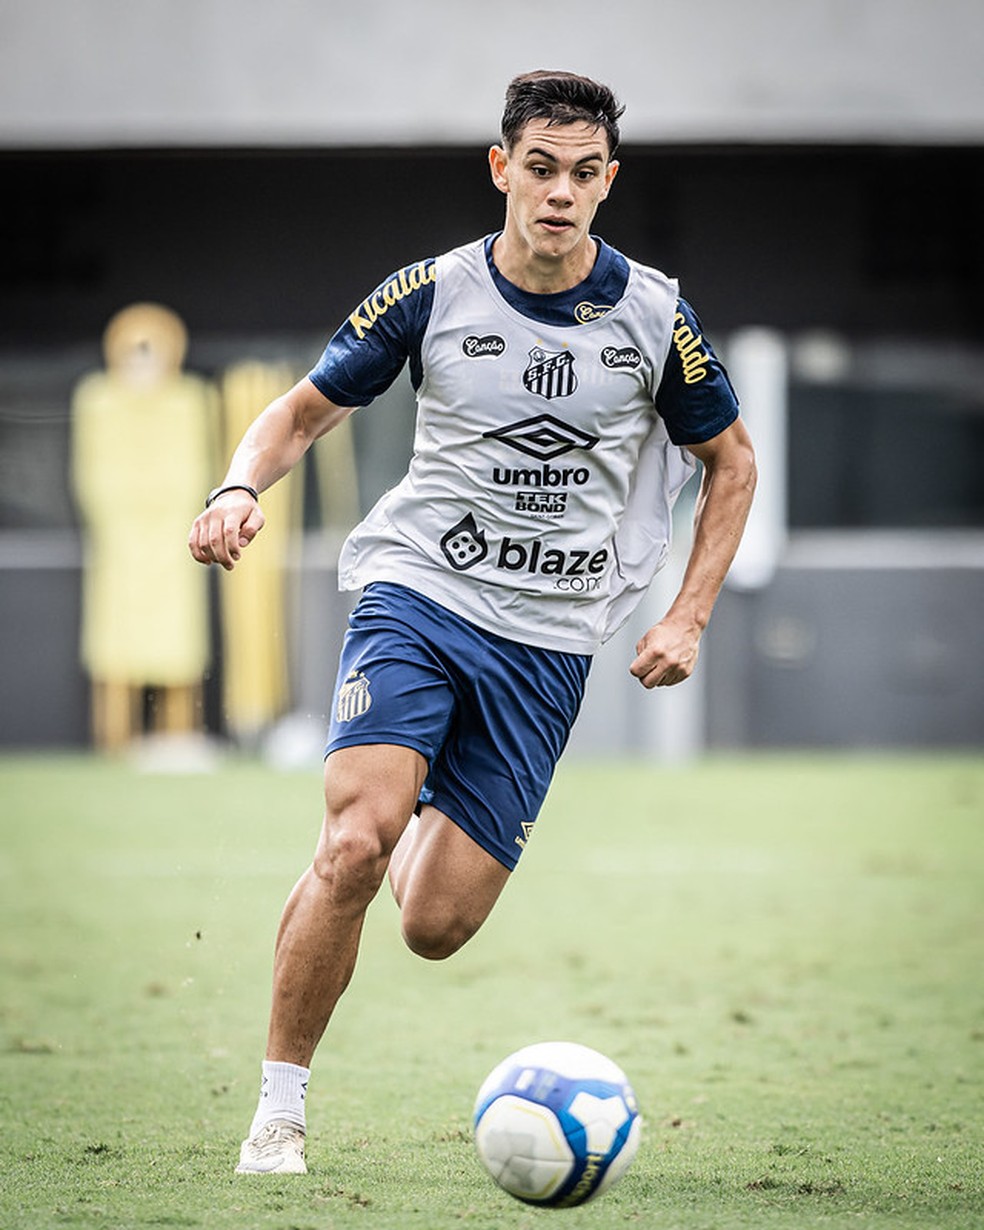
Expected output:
(217, 491)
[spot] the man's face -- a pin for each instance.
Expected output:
(554, 177)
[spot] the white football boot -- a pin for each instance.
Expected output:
(276, 1149)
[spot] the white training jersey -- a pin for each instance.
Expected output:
(538, 499)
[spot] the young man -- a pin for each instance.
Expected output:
(564, 392)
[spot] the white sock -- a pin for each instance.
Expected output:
(282, 1093)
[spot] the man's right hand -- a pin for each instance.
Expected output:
(219, 534)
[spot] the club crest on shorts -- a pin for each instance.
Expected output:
(550, 374)
(354, 698)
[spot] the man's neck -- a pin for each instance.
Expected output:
(540, 275)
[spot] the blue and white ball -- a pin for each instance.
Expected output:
(556, 1124)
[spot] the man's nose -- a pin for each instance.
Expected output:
(561, 190)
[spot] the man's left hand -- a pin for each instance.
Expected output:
(667, 654)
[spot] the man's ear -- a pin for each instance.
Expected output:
(610, 172)
(497, 166)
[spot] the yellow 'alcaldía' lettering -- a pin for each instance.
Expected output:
(688, 343)
(397, 288)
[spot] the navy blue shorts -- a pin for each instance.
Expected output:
(490, 716)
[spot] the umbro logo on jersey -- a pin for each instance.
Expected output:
(621, 357)
(543, 437)
(488, 347)
(550, 374)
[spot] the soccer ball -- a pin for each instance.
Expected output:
(556, 1124)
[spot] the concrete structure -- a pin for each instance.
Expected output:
(304, 72)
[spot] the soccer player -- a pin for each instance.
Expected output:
(564, 395)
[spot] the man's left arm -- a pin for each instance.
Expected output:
(667, 653)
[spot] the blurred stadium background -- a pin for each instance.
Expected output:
(813, 173)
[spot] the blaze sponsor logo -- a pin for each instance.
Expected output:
(354, 697)
(574, 570)
(577, 571)
(542, 436)
(550, 374)
(621, 357)
(585, 312)
(688, 346)
(488, 347)
(464, 545)
(398, 287)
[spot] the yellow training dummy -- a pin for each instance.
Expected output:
(142, 447)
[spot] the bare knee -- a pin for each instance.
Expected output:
(369, 794)
(435, 935)
(350, 862)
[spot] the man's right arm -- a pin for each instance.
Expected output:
(363, 358)
(272, 445)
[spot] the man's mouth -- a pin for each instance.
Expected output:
(556, 224)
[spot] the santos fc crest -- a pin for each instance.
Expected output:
(354, 697)
(550, 375)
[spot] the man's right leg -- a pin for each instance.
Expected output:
(370, 794)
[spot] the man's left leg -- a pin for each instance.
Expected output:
(444, 883)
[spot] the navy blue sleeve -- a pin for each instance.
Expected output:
(368, 351)
(695, 398)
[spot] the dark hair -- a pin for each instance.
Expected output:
(559, 98)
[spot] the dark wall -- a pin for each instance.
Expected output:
(871, 242)
(876, 241)
(45, 693)
(907, 645)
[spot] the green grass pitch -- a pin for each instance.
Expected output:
(783, 952)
